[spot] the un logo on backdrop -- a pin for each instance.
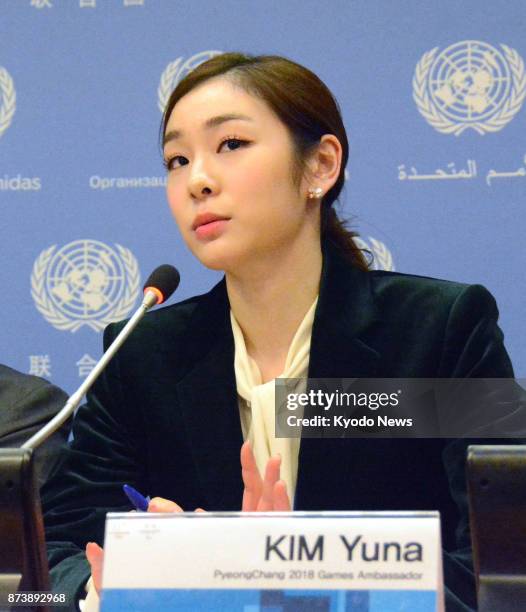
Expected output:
(85, 283)
(176, 71)
(7, 100)
(382, 256)
(469, 85)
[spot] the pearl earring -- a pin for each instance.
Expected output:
(315, 193)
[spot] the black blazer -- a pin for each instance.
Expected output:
(165, 416)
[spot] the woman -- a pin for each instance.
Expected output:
(255, 150)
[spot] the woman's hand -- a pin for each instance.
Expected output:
(95, 554)
(262, 495)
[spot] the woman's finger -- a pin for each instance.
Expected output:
(281, 499)
(266, 502)
(251, 479)
(159, 504)
(95, 556)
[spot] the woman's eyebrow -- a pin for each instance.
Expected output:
(209, 123)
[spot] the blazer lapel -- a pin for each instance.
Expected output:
(208, 399)
(345, 310)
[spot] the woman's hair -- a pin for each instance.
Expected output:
(304, 104)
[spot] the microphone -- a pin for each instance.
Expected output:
(161, 283)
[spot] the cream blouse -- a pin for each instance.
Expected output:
(257, 400)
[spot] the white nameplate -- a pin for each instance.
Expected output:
(372, 562)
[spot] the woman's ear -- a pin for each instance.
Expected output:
(324, 164)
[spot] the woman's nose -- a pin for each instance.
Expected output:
(201, 184)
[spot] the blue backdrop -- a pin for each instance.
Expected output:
(432, 96)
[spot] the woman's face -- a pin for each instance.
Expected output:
(230, 186)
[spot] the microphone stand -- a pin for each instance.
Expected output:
(23, 559)
(150, 299)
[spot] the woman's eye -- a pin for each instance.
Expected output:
(175, 162)
(232, 143)
(229, 144)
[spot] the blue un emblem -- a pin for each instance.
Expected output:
(470, 84)
(85, 282)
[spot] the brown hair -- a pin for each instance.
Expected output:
(304, 104)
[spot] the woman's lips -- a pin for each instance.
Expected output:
(212, 229)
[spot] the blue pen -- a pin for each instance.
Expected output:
(139, 501)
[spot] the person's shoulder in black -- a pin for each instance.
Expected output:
(458, 319)
(27, 403)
